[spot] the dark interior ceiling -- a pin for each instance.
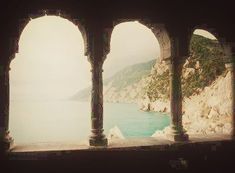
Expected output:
(163, 11)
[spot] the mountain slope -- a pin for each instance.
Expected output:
(122, 82)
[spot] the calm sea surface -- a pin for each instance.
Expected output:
(69, 121)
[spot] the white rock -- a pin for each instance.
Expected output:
(115, 133)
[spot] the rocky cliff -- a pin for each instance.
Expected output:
(206, 87)
(203, 66)
(211, 110)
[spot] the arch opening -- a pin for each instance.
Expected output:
(134, 106)
(206, 87)
(45, 76)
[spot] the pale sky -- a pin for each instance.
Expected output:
(204, 33)
(51, 62)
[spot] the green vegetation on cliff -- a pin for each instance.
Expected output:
(158, 87)
(203, 66)
(207, 60)
(130, 75)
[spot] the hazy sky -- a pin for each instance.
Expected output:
(131, 43)
(205, 34)
(51, 62)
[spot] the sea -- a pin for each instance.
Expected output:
(69, 121)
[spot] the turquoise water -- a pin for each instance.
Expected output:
(133, 122)
(69, 121)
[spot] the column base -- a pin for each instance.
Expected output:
(98, 142)
(97, 138)
(178, 137)
(7, 142)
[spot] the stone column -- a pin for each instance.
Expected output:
(6, 140)
(230, 66)
(96, 56)
(233, 99)
(97, 137)
(177, 131)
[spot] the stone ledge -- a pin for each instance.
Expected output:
(147, 143)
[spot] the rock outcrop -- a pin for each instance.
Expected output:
(115, 133)
(211, 110)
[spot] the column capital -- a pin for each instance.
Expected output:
(98, 41)
(229, 56)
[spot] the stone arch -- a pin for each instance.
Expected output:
(23, 22)
(163, 38)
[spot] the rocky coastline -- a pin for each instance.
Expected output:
(209, 112)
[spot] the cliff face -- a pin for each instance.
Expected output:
(206, 90)
(128, 85)
(211, 110)
(156, 92)
(201, 69)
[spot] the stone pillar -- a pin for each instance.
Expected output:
(233, 99)
(97, 137)
(96, 56)
(230, 66)
(180, 40)
(177, 131)
(6, 140)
